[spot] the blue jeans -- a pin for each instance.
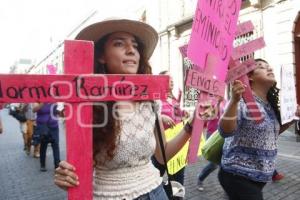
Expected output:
(156, 194)
(209, 168)
(48, 135)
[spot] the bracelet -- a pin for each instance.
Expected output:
(188, 127)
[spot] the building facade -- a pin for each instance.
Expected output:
(277, 21)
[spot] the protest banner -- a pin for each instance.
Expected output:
(79, 89)
(214, 28)
(288, 99)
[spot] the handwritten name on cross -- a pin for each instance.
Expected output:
(79, 89)
(210, 47)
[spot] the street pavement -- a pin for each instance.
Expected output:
(20, 178)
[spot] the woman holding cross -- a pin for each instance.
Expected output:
(124, 146)
(250, 148)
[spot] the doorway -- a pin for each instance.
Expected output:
(297, 55)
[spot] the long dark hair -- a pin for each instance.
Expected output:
(105, 138)
(272, 95)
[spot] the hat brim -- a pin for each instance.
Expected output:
(144, 32)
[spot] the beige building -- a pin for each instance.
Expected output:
(277, 21)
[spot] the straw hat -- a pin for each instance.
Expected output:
(144, 32)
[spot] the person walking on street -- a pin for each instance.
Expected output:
(17, 110)
(31, 124)
(48, 131)
(250, 148)
(124, 145)
(171, 114)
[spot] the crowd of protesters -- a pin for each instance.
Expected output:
(126, 151)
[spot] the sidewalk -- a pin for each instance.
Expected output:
(288, 163)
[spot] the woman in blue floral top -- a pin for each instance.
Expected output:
(250, 148)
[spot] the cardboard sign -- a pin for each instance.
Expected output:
(288, 99)
(248, 48)
(80, 88)
(205, 83)
(244, 28)
(240, 70)
(213, 31)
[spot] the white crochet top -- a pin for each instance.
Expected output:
(130, 173)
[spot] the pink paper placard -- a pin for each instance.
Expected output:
(248, 48)
(213, 31)
(240, 70)
(205, 83)
(80, 88)
(244, 28)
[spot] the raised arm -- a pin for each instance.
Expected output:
(228, 121)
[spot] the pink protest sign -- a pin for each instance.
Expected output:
(205, 83)
(248, 48)
(244, 28)
(240, 70)
(213, 31)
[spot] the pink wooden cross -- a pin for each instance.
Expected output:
(216, 88)
(210, 47)
(79, 88)
(240, 70)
